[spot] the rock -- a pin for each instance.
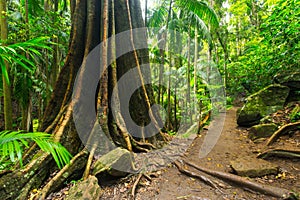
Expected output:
(253, 167)
(262, 131)
(87, 189)
(261, 104)
(117, 162)
(289, 79)
(266, 120)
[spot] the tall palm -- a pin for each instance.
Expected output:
(190, 16)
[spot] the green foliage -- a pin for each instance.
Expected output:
(14, 54)
(281, 35)
(201, 9)
(12, 144)
(295, 114)
(271, 45)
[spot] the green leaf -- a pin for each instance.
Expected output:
(3, 70)
(201, 9)
(11, 143)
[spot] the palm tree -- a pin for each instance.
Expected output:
(190, 16)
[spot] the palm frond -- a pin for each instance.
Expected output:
(3, 69)
(201, 26)
(14, 53)
(201, 9)
(12, 144)
(158, 17)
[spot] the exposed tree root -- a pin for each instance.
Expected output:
(4, 172)
(198, 176)
(137, 181)
(58, 134)
(89, 162)
(57, 118)
(280, 153)
(244, 182)
(142, 143)
(76, 164)
(135, 185)
(283, 130)
(22, 180)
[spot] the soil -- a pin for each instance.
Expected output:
(170, 184)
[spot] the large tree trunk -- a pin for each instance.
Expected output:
(86, 32)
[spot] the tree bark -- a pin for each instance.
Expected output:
(86, 34)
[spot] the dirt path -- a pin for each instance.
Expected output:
(170, 184)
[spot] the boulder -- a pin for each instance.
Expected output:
(289, 79)
(87, 189)
(253, 167)
(262, 131)
(117, 162)
(261, 104)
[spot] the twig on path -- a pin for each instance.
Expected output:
(198, 176)
(244, 182)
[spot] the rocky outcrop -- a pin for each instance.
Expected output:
(290, 79)
(262, 131)
(261, 104)
(87, 189)
(253, 167)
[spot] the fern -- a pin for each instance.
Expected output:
(12, 144)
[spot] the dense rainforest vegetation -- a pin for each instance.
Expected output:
(205, 57)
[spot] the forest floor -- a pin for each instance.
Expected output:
(170, 184)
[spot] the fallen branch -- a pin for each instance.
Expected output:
(284, 129)
(280, 153)
(244, 182)
(198, 176)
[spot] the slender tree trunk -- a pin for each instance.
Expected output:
(195, 69)
(162, 55)
(169, 103)
(146, 10)
(6, 86)
(223, 42)
(188, 92)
